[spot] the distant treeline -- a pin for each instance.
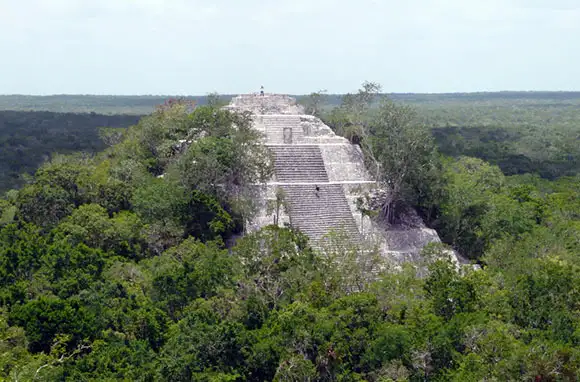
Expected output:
(103, 104)
(520, 135)
(27, 139)
(506, 96)
(145, 104)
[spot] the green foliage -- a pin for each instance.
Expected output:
(277, 264)
(478, 205)
(314, 102)
(351, 118)
(189, 271)
(114, 267)
(70, 269)
(158, 200)
(450, 293)
(202, 346)
(90, 224)
(519, 135)
(7, 212)
(116, 360)
(30, 138)
(174, 212)
(43, 319)
(224, 158)
(399, 152)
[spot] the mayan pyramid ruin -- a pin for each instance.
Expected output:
(321, 175)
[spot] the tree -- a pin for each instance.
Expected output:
(351, 118)
(46, 318)
(215, 100)
(477, 207)
(227, 161)
(313, 102)
(276, 263)
(278, 205)
(115, 358)
(188, 271)
(296, 368)
(7, 212)
(90, 224)
(400, 153)
(111, 135)
(203, 345)
(450, 293)
(21, 249)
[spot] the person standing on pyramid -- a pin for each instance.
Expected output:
(262, 90)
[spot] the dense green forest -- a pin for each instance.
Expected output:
(27, 139)
(521, 136)
(114, 266)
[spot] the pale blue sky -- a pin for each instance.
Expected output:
(289, 46)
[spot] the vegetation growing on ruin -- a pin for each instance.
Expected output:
(115, 267)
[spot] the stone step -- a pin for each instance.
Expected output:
(297, 171)
(286, 119)
(310, 161)
(290, 158)
(302, 177)
(281, 123)
(278, 117)
(305, 149)
(299, 164)
(302, 149)
(318, 212)
(293, 151)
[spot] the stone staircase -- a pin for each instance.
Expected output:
(299, 164)
(316, 213)
(300, 170)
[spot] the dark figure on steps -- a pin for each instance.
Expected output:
(262, 90)
(317, 191)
